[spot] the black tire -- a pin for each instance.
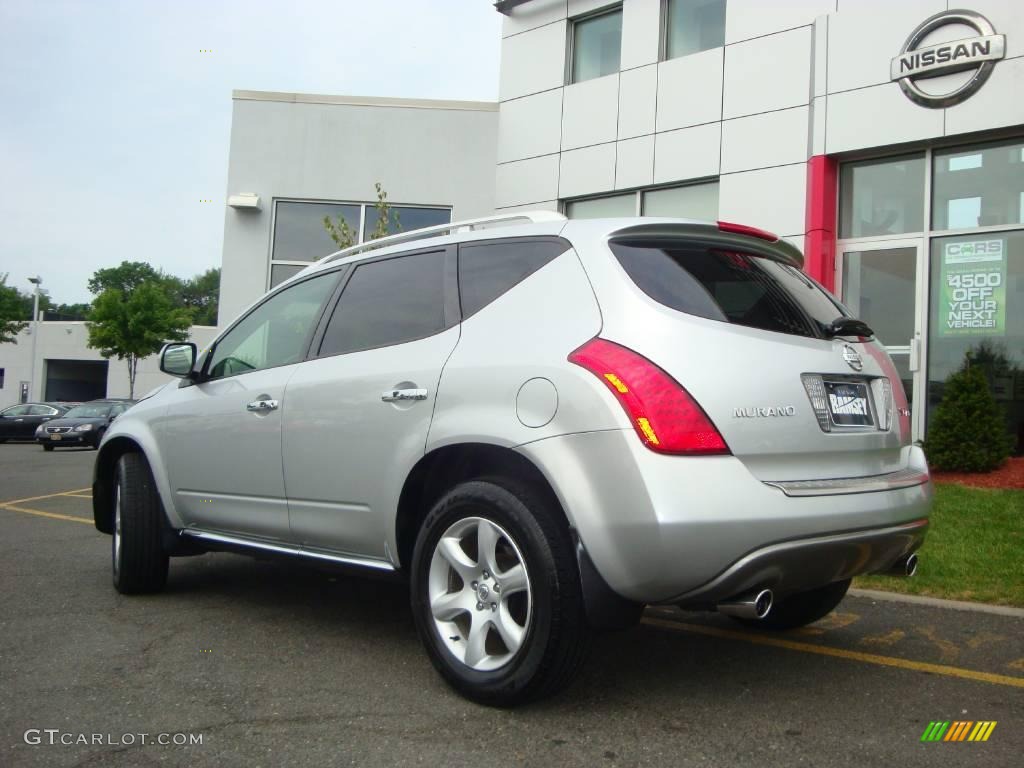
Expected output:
(557, 636)
(48, 447)
(140, 563)
(802, 608)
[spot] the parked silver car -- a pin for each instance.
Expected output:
(546, 425)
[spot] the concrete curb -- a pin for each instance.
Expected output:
(935, 602)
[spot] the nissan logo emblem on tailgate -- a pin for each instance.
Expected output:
(852, 358)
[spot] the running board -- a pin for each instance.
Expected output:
(220, 538)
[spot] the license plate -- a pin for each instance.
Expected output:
(56, 437)
(848, 403)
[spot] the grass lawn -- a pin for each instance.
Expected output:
(974, 549)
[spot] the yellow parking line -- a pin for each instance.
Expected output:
(47, 496)
(41, 513)
(78, 495)
(841, 653)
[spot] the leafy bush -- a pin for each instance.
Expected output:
(967, 432)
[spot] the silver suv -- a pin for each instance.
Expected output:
(544, 425)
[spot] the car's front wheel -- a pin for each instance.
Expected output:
(47, 447)
(139, 559)
(801, 608)
(496, 593)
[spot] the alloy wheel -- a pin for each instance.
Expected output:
(479, 594)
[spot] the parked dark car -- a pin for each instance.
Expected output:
(19, 422)
(84, 424)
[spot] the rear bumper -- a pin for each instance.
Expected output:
(696, 530)
(801, 564)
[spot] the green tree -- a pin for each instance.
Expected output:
(134, 324)
(125, 277)
(12, 312)
(345, 237)
(967, 432)
(200, 294)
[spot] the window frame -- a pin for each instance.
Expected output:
(451, 299)
(363, 206)
(663, 32)
(570, 59)
(553, 239)
(640, 193)
(204, 372)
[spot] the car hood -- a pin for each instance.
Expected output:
(94, 420)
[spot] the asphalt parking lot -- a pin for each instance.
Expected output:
(276, 663)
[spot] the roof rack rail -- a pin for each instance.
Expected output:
(532, 217)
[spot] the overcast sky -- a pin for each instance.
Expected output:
(113, 125)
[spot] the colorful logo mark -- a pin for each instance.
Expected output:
(959, 730)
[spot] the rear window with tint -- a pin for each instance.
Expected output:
(729, 286)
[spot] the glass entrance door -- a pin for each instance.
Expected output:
(883, 284)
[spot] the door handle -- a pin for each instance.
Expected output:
(262, 405)
(914, 362)
(396, 395)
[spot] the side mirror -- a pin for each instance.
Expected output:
(177, 359)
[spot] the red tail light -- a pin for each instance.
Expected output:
(664, 415)
(743, 229)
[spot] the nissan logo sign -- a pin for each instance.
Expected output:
(972, 53)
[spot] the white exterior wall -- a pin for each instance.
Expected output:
(334, 148)
(794, 79)
(67, 341)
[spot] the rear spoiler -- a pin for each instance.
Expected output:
(714, 236)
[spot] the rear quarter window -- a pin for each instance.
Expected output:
(729, 286)
(488, 269)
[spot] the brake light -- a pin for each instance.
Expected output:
(743, 229)
(664, 415)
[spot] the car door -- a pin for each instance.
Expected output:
(12, 424)
(221, 436)
(37, 414)
(359, 411)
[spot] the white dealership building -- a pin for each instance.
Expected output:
(885, 139)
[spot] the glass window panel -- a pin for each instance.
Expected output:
(730, 287)
(977, 309)
(878, 288)
(596, 45)
(281, 272)
(404, 218)
(388, 302)
(299, 233)
(276, 332)
(693, 26)
(487, 270)
(882, 197)
(992, 175)
(697, 201)
(602, 207)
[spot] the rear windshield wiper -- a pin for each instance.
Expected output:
(847, 326)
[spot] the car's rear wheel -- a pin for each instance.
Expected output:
(139, 560)
(801, 608)
(496, 593)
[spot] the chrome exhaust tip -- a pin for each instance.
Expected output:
(753, 605)
(905, 566)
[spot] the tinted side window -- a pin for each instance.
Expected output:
(487, 270)
(388, 302)
(41, 410)
(17, 410)
(276, 332)
(730, 287)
